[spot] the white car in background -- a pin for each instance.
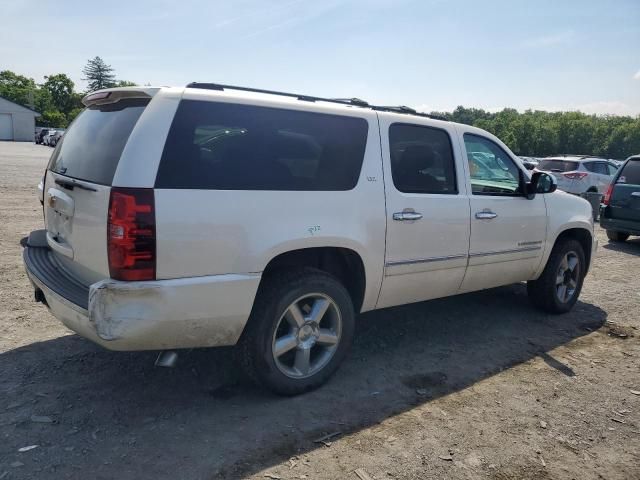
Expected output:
(579, 174)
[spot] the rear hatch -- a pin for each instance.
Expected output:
(624, 203)
(560, 168)
(78, 181)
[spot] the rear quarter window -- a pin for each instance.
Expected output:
(225, 146)
(630, 173)
(91, 148)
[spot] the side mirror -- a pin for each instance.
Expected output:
(541, 182)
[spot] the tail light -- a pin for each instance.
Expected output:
(607, 195)
(575, 175)
(131, 234)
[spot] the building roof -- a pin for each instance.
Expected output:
(20, 107)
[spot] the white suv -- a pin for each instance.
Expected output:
(214, 215)
(580, 174)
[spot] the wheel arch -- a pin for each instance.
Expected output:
(343, 263)
(578, 232)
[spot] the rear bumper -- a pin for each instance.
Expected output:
(617, 225)
(164, 314)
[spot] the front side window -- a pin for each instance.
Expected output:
(225, 146)
(492, 170)
(612, 169)
(421, 159)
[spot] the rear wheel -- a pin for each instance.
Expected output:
(558, 288)
(617, 236)
(300, 330)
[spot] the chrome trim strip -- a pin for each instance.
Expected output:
(525, 244)
(504, 252)
(396, 263)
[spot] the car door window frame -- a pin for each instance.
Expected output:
(521, 174)
(454, 180)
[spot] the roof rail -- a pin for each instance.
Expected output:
(354, 102)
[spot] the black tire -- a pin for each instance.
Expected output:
(617, 236)
(277, 293)
(543, 292)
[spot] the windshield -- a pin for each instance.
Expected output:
(90, 150)
(557, 165)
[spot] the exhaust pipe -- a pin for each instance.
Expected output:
(167, 358)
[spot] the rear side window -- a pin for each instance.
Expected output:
(421, 159)
(597, 167)
(557, 165)
(225, 146)
(92, 146)
(630, 173)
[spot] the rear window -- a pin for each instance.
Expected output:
(557, 165)
(224, 146)
(91, 148)
(630, 173)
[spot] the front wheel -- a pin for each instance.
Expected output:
(558, 288)
(617, 236)
(300, 329)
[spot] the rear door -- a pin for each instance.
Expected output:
(78, 184)
(427, 210)
(625, 198)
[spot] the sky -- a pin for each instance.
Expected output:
(427, 54)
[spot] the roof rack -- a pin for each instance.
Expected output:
(354, 102)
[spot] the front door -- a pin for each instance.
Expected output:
(427, 211)
(508, 231)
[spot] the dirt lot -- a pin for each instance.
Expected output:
(475, 386)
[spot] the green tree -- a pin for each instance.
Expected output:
(53, 118)
(126, 83)
(17, 88)
(98, 75)
(60, 87)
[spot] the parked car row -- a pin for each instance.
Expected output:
(48, 136)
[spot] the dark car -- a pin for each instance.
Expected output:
(620, 209)
(40, 136)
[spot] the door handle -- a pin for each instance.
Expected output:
(635, 194)
(486, 215)
(404, 216)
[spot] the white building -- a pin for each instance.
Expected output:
(17, 123)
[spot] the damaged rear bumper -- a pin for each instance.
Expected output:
(149, 315)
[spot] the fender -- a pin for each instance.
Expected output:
(564, 212)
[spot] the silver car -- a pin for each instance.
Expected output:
(579, 174)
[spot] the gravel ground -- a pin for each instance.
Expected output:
(474, 386)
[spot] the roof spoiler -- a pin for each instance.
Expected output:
(112, 95)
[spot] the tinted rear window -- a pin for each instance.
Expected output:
(224, 146)
(421, 159)
(557, 165)
(630, 173)
(91, 148)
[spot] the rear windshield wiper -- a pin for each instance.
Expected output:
(70, 185)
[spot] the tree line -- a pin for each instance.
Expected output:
(539, 133)
(57, 99)
(532, 133)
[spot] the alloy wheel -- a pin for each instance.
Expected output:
(567, 277)
(307, 335)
